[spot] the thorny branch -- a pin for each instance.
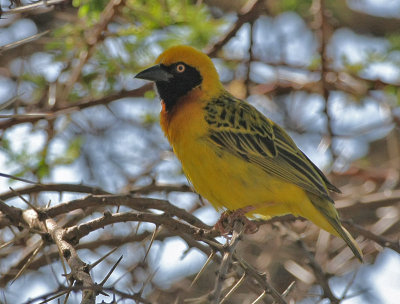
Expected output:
(226, 261)
(66, 238)
(132, 296)
(176, 220)
(321, 276)
(79, 269)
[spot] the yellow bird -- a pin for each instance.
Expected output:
(233, 155)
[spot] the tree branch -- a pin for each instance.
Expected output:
(226, 261)
(381, 240)
(53, 188)
(31, 7)
(70, 108)
(137, 203)
(247, 14)
(79, 269)
(79, 231)
(319, 273)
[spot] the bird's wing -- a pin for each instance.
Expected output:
(240, 129)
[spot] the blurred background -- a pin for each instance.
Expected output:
(72, 114)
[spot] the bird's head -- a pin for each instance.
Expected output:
(181, 70)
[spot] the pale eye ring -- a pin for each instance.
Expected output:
(180, 68)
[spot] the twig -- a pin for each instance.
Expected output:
(370, 201)
(70, 108)
(210, 257)
(288, 290)
(249, 13)
(111, 271)
(260, 297)
(53, 188)
(161, 188)
(129, 201)
(56, 295)
(321, 277)
(96, 288)
(261, 279)
(78, 231)
(381, 240)
(16, 178)
(348, 285)
(153, 237)
(322, 32)
(251, 58)
(79, 269)
(29, 261)
(234, 287)
(93, 265)
(26, 201)
(31, 7)
(22, 41)
(238, 229)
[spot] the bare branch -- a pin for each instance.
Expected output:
(381, 240)
(321, 276)
(53, 188)
(79, 269)
(226, 260)
(31, 7)
(70, 108)
(126, 200)
(79, 231)
(22, 41)
(94, 289)
(248, 13)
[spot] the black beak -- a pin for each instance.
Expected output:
(155, 73)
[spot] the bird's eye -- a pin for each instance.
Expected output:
(180, 68)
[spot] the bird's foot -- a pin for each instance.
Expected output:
(228, 218)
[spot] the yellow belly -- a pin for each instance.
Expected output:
(230, 182)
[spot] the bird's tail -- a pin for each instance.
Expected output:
(346, 236)
(330, 215)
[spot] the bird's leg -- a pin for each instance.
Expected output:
(227, 220)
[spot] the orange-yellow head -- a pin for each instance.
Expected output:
(179, 71)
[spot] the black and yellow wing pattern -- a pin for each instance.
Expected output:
(239, 128)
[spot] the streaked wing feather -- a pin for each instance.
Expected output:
(239, 128)
(329, 185)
